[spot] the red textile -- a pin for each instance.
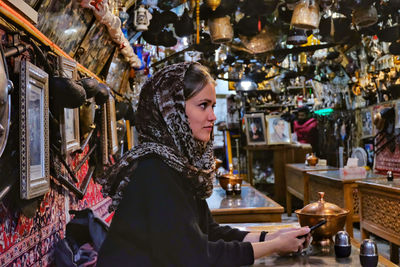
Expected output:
(306, 132)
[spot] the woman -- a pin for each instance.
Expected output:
(163, 218)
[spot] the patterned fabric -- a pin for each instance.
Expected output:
(164, 130)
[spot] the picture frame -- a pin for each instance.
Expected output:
(366, 123)
(95, 49)
(397, 111)
(118, 73)
(255, 129)
(69, 118)
(278, 130)
(104, 135)
(64, 22)
(112, 126)
(34, 131)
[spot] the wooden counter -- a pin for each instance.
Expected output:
(297, 182)
(282, 154)
(380, 211)
(311, 256)
(250, 206)
(340, 190)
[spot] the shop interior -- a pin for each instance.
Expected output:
(308, 112)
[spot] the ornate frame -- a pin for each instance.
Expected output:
(112, 126)
(35, 178)
(69, 117)
(104, 137)
(270, 129)
(258, 118)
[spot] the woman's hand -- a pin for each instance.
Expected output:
(287, 242)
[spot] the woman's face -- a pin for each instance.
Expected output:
(200, 113)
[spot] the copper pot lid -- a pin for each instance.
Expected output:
(230, 175)
(321, 207)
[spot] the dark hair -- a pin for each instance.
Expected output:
(196, 77)
(275, 122)
(304, 109)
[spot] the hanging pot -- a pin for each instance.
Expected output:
(169, 4)
(167, 39)
(184, 25)
(262, 42)
(66, 93)
(90, 85)
(250, 25)
(103, 93)
(365, 16)
(306, 15)
(220, 30)
(296, 37)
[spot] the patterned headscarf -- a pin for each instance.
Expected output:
(164, 130)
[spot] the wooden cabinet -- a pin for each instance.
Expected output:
(380, 211)
(339, 190)
(297, 183)
(282, 154)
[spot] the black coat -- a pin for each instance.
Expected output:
(159, 222)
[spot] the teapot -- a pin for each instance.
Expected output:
(142, 18)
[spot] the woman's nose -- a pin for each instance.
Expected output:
(211, 116)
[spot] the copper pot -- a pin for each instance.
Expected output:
(312, 160)
(220, 30)
(263, 42)
(229, 178)
(306, 15)
(365, 16)
(317, 211)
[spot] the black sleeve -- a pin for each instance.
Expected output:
(159, 225)
(216, 232)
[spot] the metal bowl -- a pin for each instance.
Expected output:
(317, 211)
(229, 178)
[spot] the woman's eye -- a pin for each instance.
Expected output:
(203, 105)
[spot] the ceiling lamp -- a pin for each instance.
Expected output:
(213, 4)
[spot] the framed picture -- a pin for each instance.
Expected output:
(117, 73)
(104, 137)
(255, 129)
(64, 22)
(95, 49)
(69, 121)
(397, 110)
(367, 125)
(112, 126)
(278, 131)
(34, 131)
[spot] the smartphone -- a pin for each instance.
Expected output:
(320, 223)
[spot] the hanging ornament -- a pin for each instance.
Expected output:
(142, 18)
(213, 4)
